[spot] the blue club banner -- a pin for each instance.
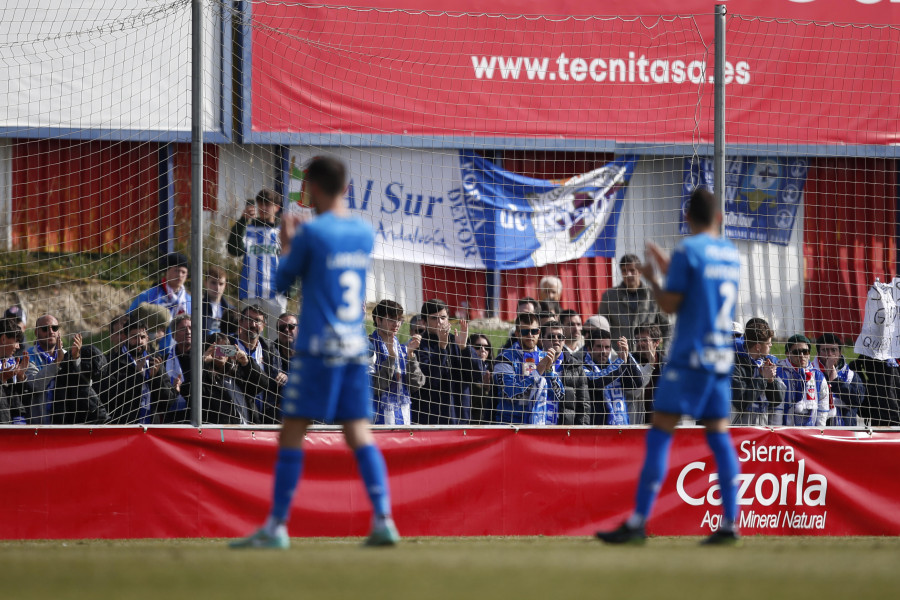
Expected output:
(761, 194)
(524, 222)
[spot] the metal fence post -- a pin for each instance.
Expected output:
(719, 111)
(196, 398)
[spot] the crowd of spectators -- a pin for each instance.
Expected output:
(555, 368)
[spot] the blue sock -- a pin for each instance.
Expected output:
(729, 469)
(287, 474)
(374, 475)
(656, 463)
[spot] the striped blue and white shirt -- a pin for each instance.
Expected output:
(262, 248)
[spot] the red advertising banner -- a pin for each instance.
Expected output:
(182, 482)
(631, 79)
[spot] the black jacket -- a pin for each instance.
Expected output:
(122, 393)
(576, 407)
(441, 401)
(258, 384)
(882, 382)
(76, 398)
(747, 390)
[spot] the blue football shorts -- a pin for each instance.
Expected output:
(326, 390)
(699, 394)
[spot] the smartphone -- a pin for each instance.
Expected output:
(225, 351)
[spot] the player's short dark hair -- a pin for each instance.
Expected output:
(757, 330)
(216, 272)
(9, 327)
(554, 324)
(269, 196)
(433, 306)
(136, 322)
(702, 208)
(179, 319)
(328, 173)
(629, 259)
(387, 308)
(118, 324)
(527, 300)
(526, 318)
(567, 314)
(254, 306)
(651, 329)
(593, 333)
(549, 308)
(755, 321)
(829, 339)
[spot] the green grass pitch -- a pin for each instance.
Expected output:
(438, 568)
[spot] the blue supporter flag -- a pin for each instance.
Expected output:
(762, 194)
(527, 222)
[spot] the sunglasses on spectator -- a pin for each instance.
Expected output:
(803, 351)
(535, 331)
(555, 336)
(481, 346)
(287, 327)
(53, 328)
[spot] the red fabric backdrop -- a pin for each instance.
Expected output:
(849, 239)
(96, 196)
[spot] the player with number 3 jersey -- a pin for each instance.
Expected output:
(702, 287)
(329, 376)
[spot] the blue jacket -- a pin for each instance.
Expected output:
(846, 392)
(392, 381)
(524, 395)
(802, 406)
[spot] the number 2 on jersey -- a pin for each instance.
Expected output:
(728, 292)
(351, 299)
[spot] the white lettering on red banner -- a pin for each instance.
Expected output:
(780, 480)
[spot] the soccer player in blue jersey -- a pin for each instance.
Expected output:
(329, 377)
(701, 287)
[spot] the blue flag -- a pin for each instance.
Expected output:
(762, 194)
(526, 222)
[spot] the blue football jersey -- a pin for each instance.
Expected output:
(330, 255)
(706, 270)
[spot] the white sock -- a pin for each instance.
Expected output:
(379, 521)
(274, 526)
(635, 521)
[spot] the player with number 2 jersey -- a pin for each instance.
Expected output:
(702, 288)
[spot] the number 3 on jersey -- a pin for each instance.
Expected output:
(728, 293)
(351, 304)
